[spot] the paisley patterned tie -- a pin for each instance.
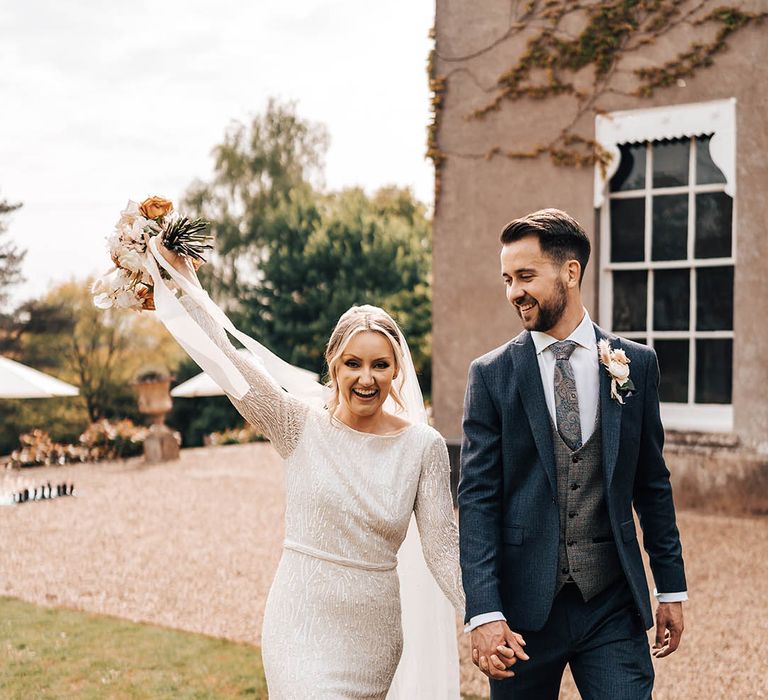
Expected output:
(566, 399)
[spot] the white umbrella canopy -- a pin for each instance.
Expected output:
(18, 381)
(202, 385)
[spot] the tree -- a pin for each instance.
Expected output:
(106, 350)
(10, 256)
(258, 167)
(292, 258)
(347, 249)
(101, 352)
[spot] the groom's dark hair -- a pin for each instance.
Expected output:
(560, 236)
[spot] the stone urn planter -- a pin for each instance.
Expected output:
(154, 394)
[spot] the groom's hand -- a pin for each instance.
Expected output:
(669, 629)
(495, 648)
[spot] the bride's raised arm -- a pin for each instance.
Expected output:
(439, 533)
(274, 412)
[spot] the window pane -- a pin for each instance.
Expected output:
(670, 163)
(714, 213)
(714, 299)
(714, 370)
(671, 295)
(673, 366)
(670, 227)
(627, 230)
(707, 173)
(630, 300)
(631, 172)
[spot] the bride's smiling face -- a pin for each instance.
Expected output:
(364, 373)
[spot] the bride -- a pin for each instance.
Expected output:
(356, 471)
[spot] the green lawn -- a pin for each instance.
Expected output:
(49, 653)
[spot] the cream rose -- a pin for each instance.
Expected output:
(130, 260)
(619, 371)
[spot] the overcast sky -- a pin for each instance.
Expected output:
(102, 102)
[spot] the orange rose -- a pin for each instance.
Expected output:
(155, 207)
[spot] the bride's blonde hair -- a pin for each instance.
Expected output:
(353, 321)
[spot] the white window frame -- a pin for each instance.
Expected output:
(649, 125)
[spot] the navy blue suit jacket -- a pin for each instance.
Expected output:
(508, 512)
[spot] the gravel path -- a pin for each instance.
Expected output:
(193, 545)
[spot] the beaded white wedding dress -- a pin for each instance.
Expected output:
(332, 624)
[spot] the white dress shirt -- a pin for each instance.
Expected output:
(586, 373)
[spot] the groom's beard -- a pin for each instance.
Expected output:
(549, 312)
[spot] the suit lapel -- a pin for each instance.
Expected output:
(610, 412)
(532, 395)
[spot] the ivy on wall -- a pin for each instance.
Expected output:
(553, 55)
(437, 86)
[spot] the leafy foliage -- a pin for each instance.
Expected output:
(699, 54)
(293, 258)
(342, 250)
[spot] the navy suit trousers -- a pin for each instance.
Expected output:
(603, 640)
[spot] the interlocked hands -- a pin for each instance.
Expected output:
(496, 648)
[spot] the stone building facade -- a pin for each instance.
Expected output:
(676, 208)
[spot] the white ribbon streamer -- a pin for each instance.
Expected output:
(428, 618)
(216, 364)
(193, 338)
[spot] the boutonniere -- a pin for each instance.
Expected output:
(616, 363)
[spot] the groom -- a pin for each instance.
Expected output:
(553, 460)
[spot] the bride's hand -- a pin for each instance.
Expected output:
(181, 263)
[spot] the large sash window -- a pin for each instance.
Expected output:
(667, 251)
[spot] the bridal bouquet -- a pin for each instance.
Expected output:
(129, 284)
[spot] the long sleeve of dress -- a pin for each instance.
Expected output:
(267, 407)
(437, 524)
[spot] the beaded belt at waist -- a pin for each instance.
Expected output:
(336, 559)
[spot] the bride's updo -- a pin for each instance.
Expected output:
(353, 321)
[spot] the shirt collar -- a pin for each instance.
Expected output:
(583, 334)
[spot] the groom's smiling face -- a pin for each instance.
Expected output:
(534, 284)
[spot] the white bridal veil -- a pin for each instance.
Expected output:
(429, 666)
